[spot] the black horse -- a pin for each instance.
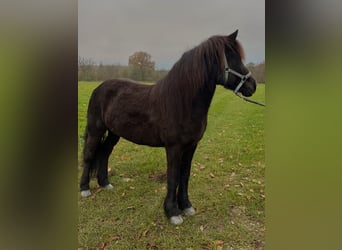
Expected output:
(171, 113)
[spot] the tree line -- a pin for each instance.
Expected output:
(140, 67)
(258, 71)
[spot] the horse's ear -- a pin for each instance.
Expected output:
(233, 35)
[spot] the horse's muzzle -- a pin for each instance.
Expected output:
(249, 88)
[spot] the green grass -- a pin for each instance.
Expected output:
(226, 186)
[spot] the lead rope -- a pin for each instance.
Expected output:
(249, 100)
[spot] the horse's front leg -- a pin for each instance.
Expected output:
(182, 197)
(174, 160)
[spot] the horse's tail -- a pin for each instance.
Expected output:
(94, 135)
(93, 160)
(85, 138)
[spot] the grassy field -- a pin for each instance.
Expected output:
(226, 186)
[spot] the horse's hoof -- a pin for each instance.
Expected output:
(108, 187)
(189, 211)
(85, 193)
(176, 220)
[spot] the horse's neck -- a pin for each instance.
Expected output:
(179, 102)
(202, 100)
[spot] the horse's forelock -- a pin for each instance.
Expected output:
(241, 50)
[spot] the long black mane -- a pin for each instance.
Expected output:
(191, 73)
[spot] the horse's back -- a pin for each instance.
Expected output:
(115, 91)
(113, 87)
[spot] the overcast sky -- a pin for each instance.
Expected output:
(109, 31)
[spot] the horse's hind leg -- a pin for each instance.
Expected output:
(91, 144)
(102, 156)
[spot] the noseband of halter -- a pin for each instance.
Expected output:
(228, 70)
(243, 78)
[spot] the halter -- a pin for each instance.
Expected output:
(243, 78)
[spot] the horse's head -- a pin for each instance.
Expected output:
(235, 75)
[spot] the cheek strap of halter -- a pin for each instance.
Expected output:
(227, 70)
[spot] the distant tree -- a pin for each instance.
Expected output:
(142, 66)
(86, 69)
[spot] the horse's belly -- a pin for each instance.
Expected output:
(140, 135)
(144, 141)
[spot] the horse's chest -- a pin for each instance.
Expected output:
(194, 130)
(200, 128)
